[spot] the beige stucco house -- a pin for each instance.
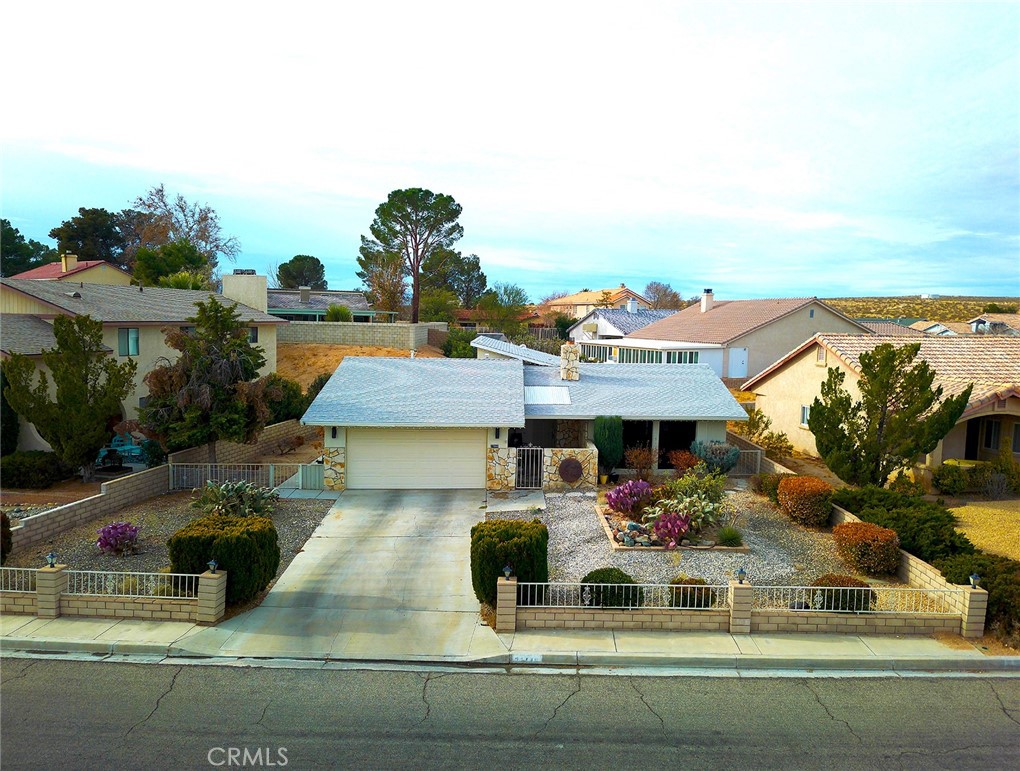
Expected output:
(70, 268)
(990, 423)
(582, 303)
(134, 319)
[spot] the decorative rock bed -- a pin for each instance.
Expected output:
(626, 535)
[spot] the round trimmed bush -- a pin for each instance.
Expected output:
(768, 485)
(806, 500)
(691, 593)
(856, 597)
(522, 545)
(603, 596)
(868, 548)
(950, 479)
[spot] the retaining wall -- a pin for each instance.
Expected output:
(152, 608)
(397, 335)
(644, 618)
(851, 623)
(18, 602)
(232, 452)
(114, 495)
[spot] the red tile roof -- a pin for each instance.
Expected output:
(55, 269)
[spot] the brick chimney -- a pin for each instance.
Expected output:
(68, 262)
(306, 294)
(707, 300)
(570, 362)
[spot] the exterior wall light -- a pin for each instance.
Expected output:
(507, 570)
(974, 579)
(213, 564)
(741, 575)
(51, 559)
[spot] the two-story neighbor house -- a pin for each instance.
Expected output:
(134, 319)
(581, 304)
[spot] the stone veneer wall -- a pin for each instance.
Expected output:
(334, 473)
(232, 452)
(553, 457)
(396, 335)
(500, 468)
(571, 433)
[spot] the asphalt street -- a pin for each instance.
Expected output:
(101, 715)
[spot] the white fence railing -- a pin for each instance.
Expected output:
(879, 599)
(189, 476)
(569, 595)
(17, 579)
(95, 582)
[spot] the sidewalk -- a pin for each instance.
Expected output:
(594, 648)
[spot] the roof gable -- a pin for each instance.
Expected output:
(53, 270)
(624, 321)
(520, 352)
(593, 296)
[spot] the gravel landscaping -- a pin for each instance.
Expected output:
(158, 519)
(782, 553)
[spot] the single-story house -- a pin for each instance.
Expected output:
(612, 324)
(736, 338)
(70, 268)
(306, 304)
(581, 304)
(394, 423)
(942, 327)
(488, 347)
(133, 322)
(991, 421)
(995, 324)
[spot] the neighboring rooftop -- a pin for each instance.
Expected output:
(592, 296)
(54, 270)
(1007, 322)
(433, 393)
(290, 299)
(626, 321)
(521, 352)
(113, 304)
(27, 335)
(891, 328)
(726, 320)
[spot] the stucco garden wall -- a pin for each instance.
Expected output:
(396, 335)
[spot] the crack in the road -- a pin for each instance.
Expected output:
(828, 712)
(20, 674)
(645, 702)
(173, 682)
(424, 694)
(1002, 704)
(561, 705)
(264, 711)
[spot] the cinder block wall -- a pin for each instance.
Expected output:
(231, 452)
(397, 335)
(113, 495)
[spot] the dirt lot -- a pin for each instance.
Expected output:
(63, 492)
(302, 362)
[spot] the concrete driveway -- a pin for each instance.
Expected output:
(386, 576)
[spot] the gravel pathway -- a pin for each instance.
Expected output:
(782, 553)
(158, 519)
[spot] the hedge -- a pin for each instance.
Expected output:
(6, 539)
(857, 597)
(245, 547)
(868, 548)
(806, 500)
(596, 591)
(768, 485)
(522, 545)
(1000, 577)
(32, 469)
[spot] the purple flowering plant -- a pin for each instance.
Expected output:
(624, 498)
(118, 538)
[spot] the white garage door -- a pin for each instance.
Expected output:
(410, 459)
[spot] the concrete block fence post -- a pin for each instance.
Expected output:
(975, 603)
(741, 601)
(50, 584)
(506, 604)
(212, 597)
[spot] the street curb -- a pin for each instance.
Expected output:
(576, 660)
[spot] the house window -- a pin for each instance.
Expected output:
(993, 429)
(681, 357)
(253, 335)
(595, 352)
(820, 355)
(143, 401)
(811, 313)
(805, 413)
(127, 341)
(1016, 438)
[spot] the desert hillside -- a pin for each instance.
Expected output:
(944, 308)
(304, 361)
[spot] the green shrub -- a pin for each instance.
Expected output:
(608, 439)
(868, 548)
(768, 485)
(245, 547)
(522, 545)
(718, 456)
(287, 402)
(6, 539)
(458, 344)
(338, 313)
(696, 481)
(1009, 469)
(32, 469)
(806, 500)
(236, 499)
(901, 483)
(729, 536)
(316, 385)
(856, 597)
(596, 593)
(950, 479)
(691, 592)
(926, 530)
(1000, 577)
(153, 453)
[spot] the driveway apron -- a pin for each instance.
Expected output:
(386, 575)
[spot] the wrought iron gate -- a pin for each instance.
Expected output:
(529, 468)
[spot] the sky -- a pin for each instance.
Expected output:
(761, 149)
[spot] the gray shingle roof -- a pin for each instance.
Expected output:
(286, 299)
(112, 304)
(395, 392)
(626, 321)
(649, 392)
(27, 335)
(522, 352)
